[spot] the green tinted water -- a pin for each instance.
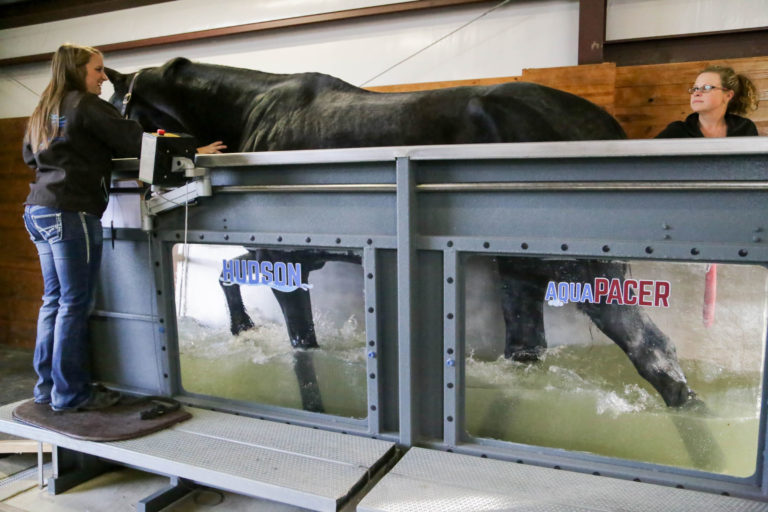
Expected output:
(257, 366)
(591, 399)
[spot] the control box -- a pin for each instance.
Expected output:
(161, 154)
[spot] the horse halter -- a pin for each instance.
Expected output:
(128, 95)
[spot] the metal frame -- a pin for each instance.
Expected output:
(415, 212)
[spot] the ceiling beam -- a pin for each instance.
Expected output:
(735, 44)
(24, 13)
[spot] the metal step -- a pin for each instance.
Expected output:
(300, 466)
(429, 480)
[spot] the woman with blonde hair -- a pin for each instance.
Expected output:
(71, 139)
(719, 98)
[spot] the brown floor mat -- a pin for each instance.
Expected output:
(121, 421)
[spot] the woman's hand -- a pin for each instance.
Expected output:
(212, 148)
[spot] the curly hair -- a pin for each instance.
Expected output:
(745, 96)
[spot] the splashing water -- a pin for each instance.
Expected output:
(257, 364)
(589, 398)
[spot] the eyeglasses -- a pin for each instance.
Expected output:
(705, 88)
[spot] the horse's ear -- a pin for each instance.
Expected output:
(118, 79)
(173, 64)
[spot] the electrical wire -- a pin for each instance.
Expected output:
(12, 79)
(184, 271)
(433, 43)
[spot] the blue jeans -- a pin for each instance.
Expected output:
(69, 245)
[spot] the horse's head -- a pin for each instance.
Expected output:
(150, 101)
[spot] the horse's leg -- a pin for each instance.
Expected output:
(297, 312)
(309, 389)
(649, 349)
(522, 292)
(239, 320)
(297, 305)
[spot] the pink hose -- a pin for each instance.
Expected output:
(710, 295)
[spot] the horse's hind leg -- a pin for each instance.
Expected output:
(522, 292)
(649, 349)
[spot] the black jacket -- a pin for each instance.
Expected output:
(737, 127)
(73, 172)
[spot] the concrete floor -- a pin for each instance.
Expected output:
(115, 491)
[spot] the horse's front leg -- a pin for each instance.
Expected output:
(297, 312)
(239, 320)
(521, 303)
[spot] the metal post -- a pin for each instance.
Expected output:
(453, 353)
(406, 257)
(40, 466)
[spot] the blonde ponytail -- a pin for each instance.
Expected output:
(67, 74)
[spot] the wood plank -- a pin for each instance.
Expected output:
(11, 217)
(594, 82)
(587, 74)
(20, 283)
(658, 114)
(669, 94)
(20, 310)
(17, 245)
(17, 335)
(13, 126)
(426, 86)
(22, 446)
(685, 72)
(644, 95)
(14, 190)
(5, 507)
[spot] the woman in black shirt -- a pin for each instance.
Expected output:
(718, 97)
(71, 139)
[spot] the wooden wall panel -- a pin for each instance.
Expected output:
(21, 285)
(595, 82)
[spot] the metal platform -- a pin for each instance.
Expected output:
(295, 465)
(429, 480)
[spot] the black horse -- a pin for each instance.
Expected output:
(254, 111)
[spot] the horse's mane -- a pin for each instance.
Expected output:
(246, 78)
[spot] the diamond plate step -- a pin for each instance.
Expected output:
(295, 465)
(429, 480)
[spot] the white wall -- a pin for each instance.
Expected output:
(628, 19)
(164, 19)
(540, 33)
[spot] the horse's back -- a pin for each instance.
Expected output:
(509, 112)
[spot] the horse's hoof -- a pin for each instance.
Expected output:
(524, 355)
(694, 405)
(238, 327)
